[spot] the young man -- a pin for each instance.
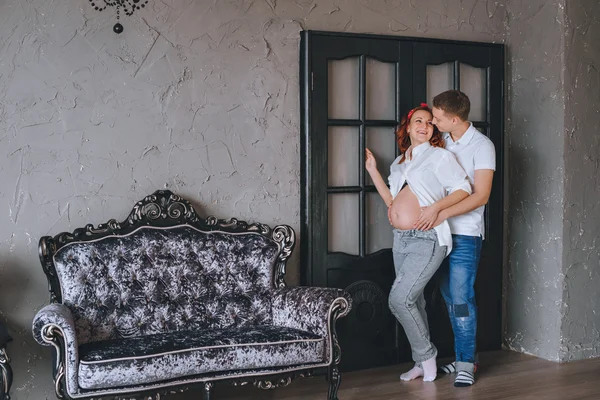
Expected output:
(476, 154)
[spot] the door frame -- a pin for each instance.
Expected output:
(410, 95)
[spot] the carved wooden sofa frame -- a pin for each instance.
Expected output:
(86, 318)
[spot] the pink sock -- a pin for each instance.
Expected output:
(429, 370)
(412, 374)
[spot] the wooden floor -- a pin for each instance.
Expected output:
(503, 376)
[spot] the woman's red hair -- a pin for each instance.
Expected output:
(403, 138)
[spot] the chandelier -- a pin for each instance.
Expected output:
(128, 7)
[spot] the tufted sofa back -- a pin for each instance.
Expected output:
(156, 280)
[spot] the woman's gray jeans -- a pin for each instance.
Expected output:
(417, 255)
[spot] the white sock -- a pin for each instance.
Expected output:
(429, 370)
(414, 373)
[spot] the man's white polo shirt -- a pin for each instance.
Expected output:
(473, 151)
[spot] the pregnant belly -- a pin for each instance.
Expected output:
(405, 209)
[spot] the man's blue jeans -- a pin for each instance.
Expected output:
(457, 273)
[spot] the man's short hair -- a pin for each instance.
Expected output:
(453, 102)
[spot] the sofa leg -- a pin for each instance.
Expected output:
(208, 386)
(334, 378)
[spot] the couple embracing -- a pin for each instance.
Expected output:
(438, 188)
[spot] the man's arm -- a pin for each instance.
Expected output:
(430, 215)
(481, 194)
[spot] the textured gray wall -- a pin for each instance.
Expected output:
(197, 96)
(552, 300)
(580, 332)
(535, 42)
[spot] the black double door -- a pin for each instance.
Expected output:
(354, 89)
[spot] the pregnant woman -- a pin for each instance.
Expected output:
(424, 180)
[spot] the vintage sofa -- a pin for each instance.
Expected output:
(165, 300)
(6, 375)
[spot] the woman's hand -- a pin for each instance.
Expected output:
(428, 218)
(370, 163)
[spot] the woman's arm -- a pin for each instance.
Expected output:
(382, 189)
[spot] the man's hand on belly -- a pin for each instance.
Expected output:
(428, 217)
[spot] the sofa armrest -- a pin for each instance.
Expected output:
(53, 325)
(311, 309)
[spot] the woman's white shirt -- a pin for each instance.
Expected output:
(432, 173)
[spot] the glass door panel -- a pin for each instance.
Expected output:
(380, 90)
(382, 143)
(343, 227)
(379, 230)
(343, 156)
(343, 88)
(473, 82)
(439, 79)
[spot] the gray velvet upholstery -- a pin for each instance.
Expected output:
(161, 357)
(155, 281)
(58, 317)
(163, 306)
